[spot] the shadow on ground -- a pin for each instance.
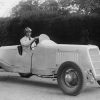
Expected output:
(43, 84)
(24, 81)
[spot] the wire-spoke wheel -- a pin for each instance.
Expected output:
(70, 79)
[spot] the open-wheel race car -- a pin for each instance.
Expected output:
(72, 65)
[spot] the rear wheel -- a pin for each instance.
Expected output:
(70, 79)
(25, 75)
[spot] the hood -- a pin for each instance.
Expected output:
(72, 47)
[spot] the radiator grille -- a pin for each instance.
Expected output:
(95, 58)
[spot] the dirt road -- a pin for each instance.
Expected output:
(13, 87)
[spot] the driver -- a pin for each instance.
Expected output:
(27, 40)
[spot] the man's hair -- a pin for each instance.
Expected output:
(27, 29)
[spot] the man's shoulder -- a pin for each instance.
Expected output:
(24, 37)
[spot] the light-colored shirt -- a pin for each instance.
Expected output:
(25, 42)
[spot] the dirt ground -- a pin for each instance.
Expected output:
(13, 87)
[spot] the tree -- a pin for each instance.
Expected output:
(85, 6)
(50, 5)
(89, 6)
(25, 7)
(54, 17)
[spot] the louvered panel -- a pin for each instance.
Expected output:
(63, 56)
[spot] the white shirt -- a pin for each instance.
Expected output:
(25, 41)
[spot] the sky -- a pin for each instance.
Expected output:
(6, 5)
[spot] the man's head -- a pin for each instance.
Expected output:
(28, 31)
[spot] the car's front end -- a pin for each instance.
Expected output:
(93, 73)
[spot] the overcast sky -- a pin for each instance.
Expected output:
(6, 5)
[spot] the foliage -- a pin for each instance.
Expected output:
(51, 18)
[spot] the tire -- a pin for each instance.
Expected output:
(70, 79)
(98, 82)
(25, 75)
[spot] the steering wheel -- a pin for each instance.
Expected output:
(36, 40)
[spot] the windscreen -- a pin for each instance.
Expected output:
(45, 40)
(43, 37)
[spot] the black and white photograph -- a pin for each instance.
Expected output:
(49, 49)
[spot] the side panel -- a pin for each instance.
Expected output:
(63, 56)
(43, 60)
(23, 62)
(12, 61)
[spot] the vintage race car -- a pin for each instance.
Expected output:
(72, 65)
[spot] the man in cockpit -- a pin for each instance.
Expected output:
(27, 41)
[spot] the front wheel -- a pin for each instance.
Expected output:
(70, 79)
(98, 82)
(25, 75)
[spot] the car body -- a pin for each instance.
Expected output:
(72, 65)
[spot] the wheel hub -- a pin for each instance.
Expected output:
(71, 78)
